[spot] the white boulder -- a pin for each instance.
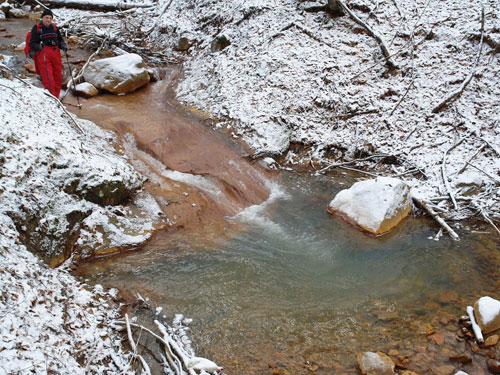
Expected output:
(487, 313)
(376, 205)
(85, 89)
(118, 75)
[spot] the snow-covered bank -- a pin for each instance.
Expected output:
(49, 322)
(286, 73)
(290, 73)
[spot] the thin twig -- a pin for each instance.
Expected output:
(486, 173)
(374, 34)
(82, 71)
(443, 173)
(455, 94)
(53, 97)
(163, 10)
(351, 162)
(472, 157)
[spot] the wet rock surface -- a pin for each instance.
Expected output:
(375, 364)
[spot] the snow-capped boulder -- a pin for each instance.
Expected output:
(86, 89)
(52, 176)
(5, 7)
(487, 314)
(376, 205)
(18, 13)
(2, 15)
(118, 75)
(375, 364)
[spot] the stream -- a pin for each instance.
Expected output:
(273, 283)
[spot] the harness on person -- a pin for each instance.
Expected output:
(27, 48)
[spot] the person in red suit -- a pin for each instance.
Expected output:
(45, 45)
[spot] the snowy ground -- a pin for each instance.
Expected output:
(49, 322)
(291, 74)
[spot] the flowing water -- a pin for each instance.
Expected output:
(273, 283)
(296, 288)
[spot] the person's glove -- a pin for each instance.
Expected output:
(31, 53)
(64, 47)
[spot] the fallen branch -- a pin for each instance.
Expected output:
(486, 173)
(166, 5)
(359, 171)
(371, 32)
(445, 178)
(134, 347)
(82, 71)
(455, 94)
(351, 162)
(427, 207)
(475, 327)
(53, 97)
(472, 157)
(93, 5)
(311, 35)
(178, 368)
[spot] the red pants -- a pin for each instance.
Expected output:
(50, 69)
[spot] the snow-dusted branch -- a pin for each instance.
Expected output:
(82, 71)
(445, 177)
(177, 357)
(134, 347)
(427, 207)
(470, 159)
(455, 94)
(166, 5)
(339, 165)
(371, 32)
(475, 327)
(93, 5)
(54, 98)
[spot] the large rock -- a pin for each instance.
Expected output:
(118, 75)
(18, 13)
(375, 364)
(487, 314)
(2, 15)
(376, 205)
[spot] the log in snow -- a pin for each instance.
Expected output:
(94, 4)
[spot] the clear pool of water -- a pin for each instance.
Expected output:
(289, 286)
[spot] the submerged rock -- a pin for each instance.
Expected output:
(493, 366)
(118, 75)
(376, 205)
(487, 314)
(378, 363)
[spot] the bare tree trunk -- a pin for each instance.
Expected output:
(92, 5)
(335, 8)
